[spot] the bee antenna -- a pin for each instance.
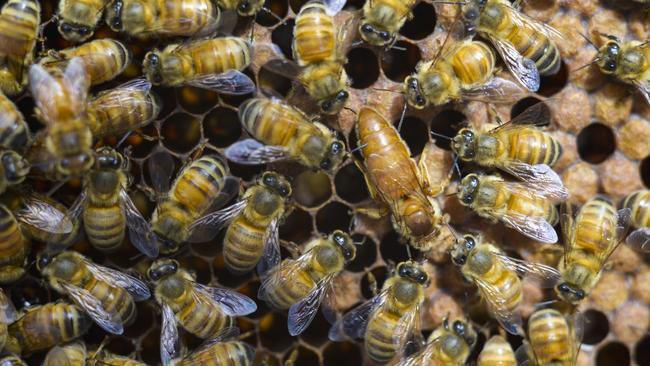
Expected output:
(398, 48)
(388, 90)
(588, 40)
(408, 251)
(587, 65)
(457, 166)
(350, 109)
(542, 304)
(453, 231)
(357, 148)
(444, 43)
(274, 15)
(401, 119)
(440, 135)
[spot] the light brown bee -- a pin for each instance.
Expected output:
(78, 18)
(201, 310)
(284, 133)
(213, 64)
(627, 61)
(302, 284)
(416, 215)
(553, 339)
(163, 18)
(14, 132)
(527, 46)
(219, 351)
(390, 318)
(382, 19)
(8, 315)
(108, 296)
(639, 204)
(19, 22)
(61, 100)
(71, 354)
(104, 59)
(497, 352)
(497, 278)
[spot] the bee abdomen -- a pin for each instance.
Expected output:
(270, 121)
(537, 47)
(379, 336)
(13, 246)
(105, 226)
(497, 352)
(549, 336)
(284, 296)
(14, 133)
(115, 300)
(243, 246)
(314, 38)
(473, 63)
(233, 353)
(533, 147)
(19, 23)
(199, 184)
(639, 203)
(595, 226)
(202, 320)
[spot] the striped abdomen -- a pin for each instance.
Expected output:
(73, 354)
(504, 281)
(639, 203)
(19, 22)
(14, 247)
(284, 295)
(202, 318)
(215, 56)
(527, 205)
(105, 226)
(115, 300)
(49, 325)
(199, 185)
(314, 35)
(473, 63)
(379, 338)
(232, 353)
(14, 133)
(243, 244)
(550, 338)
(531, 146)
(389, 15)
(497, 352)
(595, 228)
(104, 59)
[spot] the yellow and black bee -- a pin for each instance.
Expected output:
(14, 132)
(78, 18)
(553, 339)
(639, 204)
(19, 24)
(497, 352)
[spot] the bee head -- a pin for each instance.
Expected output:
(464, 144)
(152, 67)
(465, 331)
(15, 167)
(375, 36)
(108, 158)
(607, 57)
(114, 16)
(467, 190)
(471, 12)
(73, 164)
(334, 155)
(569, 293)
(43, 260)
(414, 95)
(345, 244)
(413, 271)
(162, 268)
(461, 249)
(276, 183)
(246, 9)
(334, 104)
(75, 32)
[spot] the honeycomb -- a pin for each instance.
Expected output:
(603, 126)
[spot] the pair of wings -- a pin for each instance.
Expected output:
(526, 356)
(231, 303)
(110, 322)
(202, 355)
(124, 98)
(640, 239)
(44, 216)
(253, 152)
(429, 355)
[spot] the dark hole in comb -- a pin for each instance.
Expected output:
(422, 24)
(295, 227)
(276, 337)
(415, 134)
(282, 36)
(350, 184)
(645, 171)
(596, 327)
(614, 353)
(400, 60)
(342, 354)
(642, 351)
(277, 7)
(366, 253)
(380, 274)
(332, 216)
(446, 123)
(221, 127)
(362, 67)
(552, 84)
(596, 143)
(181, 132)
(312, 188)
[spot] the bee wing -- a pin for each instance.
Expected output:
(644, 89)
(496, 90)
(231, 302)
(509, 320)
(522, 355)
(522, 18)
(42, 215)
(8, 313)
(283, 66)
(523, 69)
(541, 177)
(546, 275)
(271, 256)
(75, 74)
(303, 312)
(623, 217)
(43, 87)
(161, 168)
(639, 239)
(538, 115)
(169, 342)
(253, 152)
(232, 82)
(422, 357)
(94, 308)
(334, 6)
(533, 227)
(207, 227)
(140, 233)
(408, 332)
(135, 287)
(353, 324)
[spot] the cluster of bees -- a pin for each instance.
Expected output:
(196, 204)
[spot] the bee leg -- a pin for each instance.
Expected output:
(291, 360)
(424, 162)
(372, 212)
(372, 284)
(292, 247)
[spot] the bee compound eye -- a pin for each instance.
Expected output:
(342, 95)
(84, 31)
(326, 106)
(244, 6)
(66, 28)
(269, 180)
(384, 35)
(367, 28)
(459, 327)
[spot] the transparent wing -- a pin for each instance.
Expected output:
(408, 333)
(135, 287)
(253, 152)
(538, 115)
(639, 239)
(522, 18)
(644, 88)
(231, 302)
(44, 216)
(283, 66)
(161, 167)
(623, 217)
(94, 308)
(283, 274)
(546, 275)
(567, 222)
(334, 6)
(73, 215)
(533, 227)
(169, 341)
(75, 74)
(496, 90)
(8, 313)
(44, 88)
(522, 355)
(302, 313)
(232, 82)
(424, 356)
(271, 256)
(544, 180)
(523, 69)
(353, 324)
(509, 320)
(128, 98)
(202, 355)
(140, 84)
(207, 227)
(140, 233)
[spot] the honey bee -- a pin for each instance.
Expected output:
(13, 169)
(19, 22)
(78, 19)
(252, 234)
(553, 339)
(285, 133)
(104, 59)
(627, 61)
(639, 204)
(527, 46)
(14, 132)
(201, 310)
(144, 19)
(447, 345)
(415, 214)
(12, 360)
(382, 19)
(522, 206)
(302, 284)
(497, 278)
(44, 219)
(105, 294)
(497, 352)
(61, 100)
(8, 315)
(390, 319)
(590, 236)
(71, 354)
(220, 350)
(45, 326)
(201, 187)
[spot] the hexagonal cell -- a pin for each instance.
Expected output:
(296, 227)
(393, 247)
(167, 99)
(553, 84)
(316, 333)
(144, 147)
(29, 291)
(282, 36)
(415, 133)
(335, 215)
(278, 10)
(400, 60)
(304, 356)
(147, 315)
(362, 67)
(274, 334)
(272, 82)
(596, 143)
(312, 188)
(422, 24)
(366, 253)
(146, 174)
(342, 354)
(596, 327)
(197, 267)
(445, 125)
(613, 353)
(221, 127)
(195, 100)
(181, 132)
(350, 184)
(645, 171)
(380, 275)
(120, 346)
(150, 346)
(521, 106)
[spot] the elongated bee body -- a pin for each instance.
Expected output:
(415, 216)
(447, 345)
(639, 204)
(104, 59)
(14, 132)
(78, 18)
(382, 19)
(14, 247)
(552, 341)
(72, 354)
(230, 353)
(48, 325)
(627, 61)
(497, 352)
(19, 22)
(163, 18)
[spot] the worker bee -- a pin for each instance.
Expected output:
(220, 350)
(527, 46)
(639, 204)
(285, 133)
(553, 339)
(415, 214)
(61, 100)
(19, 22)
(45, 326)
(71, 354)
(497, 278)
(390, 319)
(78, 18)
(302, 284)
(161, 18)
(590, 236)
(201, 310)
(102, 357)
(447, 345)
(252, 234)
(200, 188)
(14, 132)
(382, 19)
(104, 59)
(105, 294)
(214, 64)
(522, 206)
(106, 208)
(497, 352)
(8, 315)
